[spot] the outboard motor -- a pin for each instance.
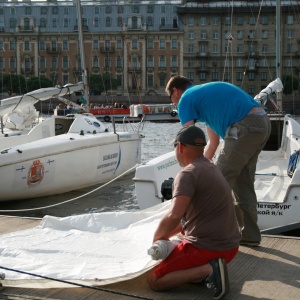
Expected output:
(167, 189)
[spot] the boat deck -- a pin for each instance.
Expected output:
(271, 271)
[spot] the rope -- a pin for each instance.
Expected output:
(76, 284)
(73, 199)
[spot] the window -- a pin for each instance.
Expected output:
(239, 76)
(191, 21)
(252, 20)
(65, 79)
(108, 22)
(27, 10)
(289, 48)
(55, 10)
(95, 62)
(264, 48)
(203, 35)
(119, 44)
(251, 90)
(150, 80)
(150, 62)
(202, 76)
(240, 34)
(227, 21)
(119, 62)
(54, 23)
(251, 34)
(174, 44)
(264, 34)
(44, 10)
(65, 63)
(162, 44)
(191, 35)
(66, 10)
(107, 61)
(95, 44)
(27, 23)
(264, 76)
(66, 22)
(203, 21)
(264, 62)
(42, 63)
(1, 64)
(53, 63)
(1, 46)
(27, 64)
(265, 20)
(251, 76)
(149, 21)
(240, 20)
(215, 20)
(239, 62)
(119, 80)
(162, 61)
(163, 21)
(120, 9)
(190, 63)
(26, 45)
(191, 76)
(150, 9)
(174, 63)
(290, 20)
(12, 45)
(215, 48)
(120, 22)
(42, 45)
(290, 33)
(288, 62)
(240, 48)
(202, 49)
(12, 63)
(214, 76)
(227, 63)
(65, 45)
(134, 21)
(107, 45)
(162, 81)
(108, 9)
(134, 44)
(215, 35)
(43, 23)
(150, 44)
(12, 11)
(190, 48)
(135, 9)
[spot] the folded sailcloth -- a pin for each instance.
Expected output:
(161, 249)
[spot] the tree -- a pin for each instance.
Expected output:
(36, 83)
(13, 84)
(290, 84)
(101, 83)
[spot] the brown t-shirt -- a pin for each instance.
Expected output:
(210, 221)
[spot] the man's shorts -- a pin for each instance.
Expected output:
(186, 256)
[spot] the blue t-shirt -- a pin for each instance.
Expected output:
(217, 104)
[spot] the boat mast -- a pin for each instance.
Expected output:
(82, 55)
(278, 53)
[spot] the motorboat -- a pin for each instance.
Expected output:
(277, 180)
(62, 154)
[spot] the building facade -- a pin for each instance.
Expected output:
(143, 43)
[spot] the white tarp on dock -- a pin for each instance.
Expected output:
(91, 249)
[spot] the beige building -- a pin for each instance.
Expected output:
(143, 43)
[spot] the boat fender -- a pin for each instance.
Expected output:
(173, 113)
(293, 162)
(107, 118)
(167, 189)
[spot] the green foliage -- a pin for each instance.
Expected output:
(13, 84)
(101, 83)
(290, 84)
(36, 83)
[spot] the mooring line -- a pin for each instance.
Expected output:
(73, 199)
(77, 284)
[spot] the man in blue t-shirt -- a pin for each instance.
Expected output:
(231, 114)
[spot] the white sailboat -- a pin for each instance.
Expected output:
(63, 153)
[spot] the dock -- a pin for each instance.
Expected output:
(270, 271)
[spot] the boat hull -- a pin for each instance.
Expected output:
(66, 162)
(278, 195)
